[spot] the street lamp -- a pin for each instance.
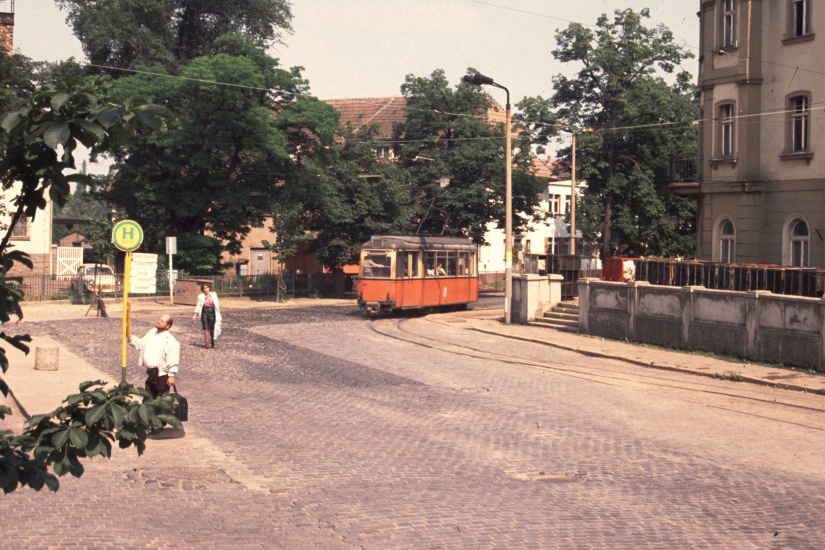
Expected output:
(479, 80)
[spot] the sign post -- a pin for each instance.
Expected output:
(171, 249)
(127, 236)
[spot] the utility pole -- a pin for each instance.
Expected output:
(573, 200)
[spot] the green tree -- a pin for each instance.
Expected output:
(454, 157)
(85, 202)
(373, 198)
(128, 33)
(17, 73)
(98, 233)
(632, 122)
(39, 140)
(250, 142)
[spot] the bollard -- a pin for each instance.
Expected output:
(46, 358)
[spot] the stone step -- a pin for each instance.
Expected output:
(568, 307)
(556, 325)
(556, 315)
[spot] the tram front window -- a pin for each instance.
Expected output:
(376, 265)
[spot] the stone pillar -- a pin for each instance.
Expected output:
(532, 294)
(554, 289)
(822, 336)
(46, 357)
(584, 304)
(688, 296)
(752, 315)
(633, 305)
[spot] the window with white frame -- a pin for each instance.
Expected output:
(554, 205)
(727, 243)
(385, 152)
(726, 131)
(798, 109)
(21, 229)
(799, 244)
(728, 23)
(800, 19)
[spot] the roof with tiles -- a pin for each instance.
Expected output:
(389, 111)
(543, 168)
(384, 111)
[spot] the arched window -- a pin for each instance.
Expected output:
(799, 244)
(727, 243)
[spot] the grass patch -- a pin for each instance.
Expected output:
(729, 359)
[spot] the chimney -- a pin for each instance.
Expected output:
(7, 25)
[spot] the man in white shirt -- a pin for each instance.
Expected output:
(160, 354)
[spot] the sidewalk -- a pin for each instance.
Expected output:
(490, 322)
(38, 392)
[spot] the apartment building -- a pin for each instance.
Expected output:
(760, 181)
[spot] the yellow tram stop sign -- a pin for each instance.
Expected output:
(127, 235)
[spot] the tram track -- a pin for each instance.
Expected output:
(398, 329)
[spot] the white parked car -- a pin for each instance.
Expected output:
(98, 277)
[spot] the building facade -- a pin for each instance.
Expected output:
(7, 25)
(760, 180)
(546, 233)
(31, 236)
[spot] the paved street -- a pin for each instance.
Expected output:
(316, 428)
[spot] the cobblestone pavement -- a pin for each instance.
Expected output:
(314, 428)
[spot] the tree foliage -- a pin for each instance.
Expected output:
(39, 140)
(249, 142)
(631, 122)
(84, 202)
(84, 427)
(128, 33)
(98, 232)
(373, 199)
(454, 157)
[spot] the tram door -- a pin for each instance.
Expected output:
(408, 264)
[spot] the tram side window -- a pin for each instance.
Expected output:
(463, 264)
(377, 265)
(412, 264)
(441, 264)
(406, 266)
(431, 264)
(436, 264)
(451, 262)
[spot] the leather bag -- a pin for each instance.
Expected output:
(181, 409)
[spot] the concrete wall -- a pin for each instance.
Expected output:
(533, 295)
(754, 325)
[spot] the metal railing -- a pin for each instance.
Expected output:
(683, 169)
(292, 285)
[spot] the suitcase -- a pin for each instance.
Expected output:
(181, 409)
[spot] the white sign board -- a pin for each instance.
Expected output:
(171, 245)
(143, 278)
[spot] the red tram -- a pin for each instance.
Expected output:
(417, 272)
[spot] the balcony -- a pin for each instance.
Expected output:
(684, 176)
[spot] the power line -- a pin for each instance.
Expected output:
(201, 80)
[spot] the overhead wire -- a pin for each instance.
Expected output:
(628, 129)
(687, 45)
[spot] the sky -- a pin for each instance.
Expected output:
(365, 48)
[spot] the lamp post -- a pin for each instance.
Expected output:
(479, 80)
(573, 199)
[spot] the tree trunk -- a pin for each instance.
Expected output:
(606, 232)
